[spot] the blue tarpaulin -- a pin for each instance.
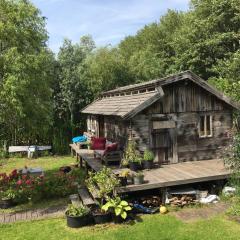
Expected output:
(79, 139)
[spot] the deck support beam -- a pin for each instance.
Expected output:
(163, 194)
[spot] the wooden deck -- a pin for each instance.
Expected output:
(167, 175)
(181, 173)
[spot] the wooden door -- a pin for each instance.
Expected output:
(162, 146)
(164, 142)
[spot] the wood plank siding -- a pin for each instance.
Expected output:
(181, 118)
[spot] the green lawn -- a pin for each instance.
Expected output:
(152, 227)
(49, 164)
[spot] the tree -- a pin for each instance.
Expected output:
(26, 73)
(71, 91)
(106, 69)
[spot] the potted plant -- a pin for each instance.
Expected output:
(132, 157)
(135, 163)
(78, 216)
(123, 177)
(118, 207)
(138, 178)
(148, 158)
(7, 198)
(104, 182)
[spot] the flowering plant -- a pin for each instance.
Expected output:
(28, 187)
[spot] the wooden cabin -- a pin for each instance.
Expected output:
(180, 117)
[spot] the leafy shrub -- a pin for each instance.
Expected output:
(77, 211)
(148, 155)
(34, 188)
(105, 180)
(118, 206)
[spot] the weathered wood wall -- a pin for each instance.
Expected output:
(140, 131)
(191, 147)
(116, 130)
(183, 102)
(186, 96)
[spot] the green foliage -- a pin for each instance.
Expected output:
(26, 73)
(78, 211)
(8, 194)
(131, 154)
(106, 70)
(233, 154)
(148, 155)
(120, 207)
(106, 182)
(26, 188)
(41, 97)
(228, 76)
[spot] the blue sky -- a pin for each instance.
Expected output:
(108, 21)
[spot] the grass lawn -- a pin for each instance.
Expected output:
(49, 164)
(152, 227)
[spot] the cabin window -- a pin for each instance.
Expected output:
(205, 126)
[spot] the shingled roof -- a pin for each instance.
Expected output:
(129, 100)
(125, 106)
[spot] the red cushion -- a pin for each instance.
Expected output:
(98, 143)
(111, 147)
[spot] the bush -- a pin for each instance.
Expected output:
(34, 188)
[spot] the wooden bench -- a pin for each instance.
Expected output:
(109, 157)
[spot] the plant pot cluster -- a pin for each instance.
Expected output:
(110, 207)
(126, 178)
(114, 210)
(135, 160)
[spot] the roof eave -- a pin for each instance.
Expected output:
(144, 105)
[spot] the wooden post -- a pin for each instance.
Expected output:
(80, 161)
(163, 192)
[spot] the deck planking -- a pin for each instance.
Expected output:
(168, 175)
(181, 173)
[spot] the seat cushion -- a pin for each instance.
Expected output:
(112, 147)
(98, 143)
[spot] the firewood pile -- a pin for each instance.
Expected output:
(182, 200)
(151, 201)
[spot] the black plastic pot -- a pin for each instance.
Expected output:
(101, 218)
(123, 181)
(118, 219)
(135, 166)
(6, 203)
(76, 222)
(147, 164)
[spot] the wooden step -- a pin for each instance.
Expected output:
(94, 193)
(86, 197)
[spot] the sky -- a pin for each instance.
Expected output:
(107, 21)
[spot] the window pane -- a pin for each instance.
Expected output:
(201, 127)
(208, 127)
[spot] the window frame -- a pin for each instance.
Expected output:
(205, 135)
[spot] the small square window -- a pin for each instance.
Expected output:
(205, 126)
